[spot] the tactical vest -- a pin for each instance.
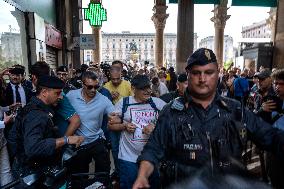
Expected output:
(216, 146)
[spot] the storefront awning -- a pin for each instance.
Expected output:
(200, 1)
(258, 3)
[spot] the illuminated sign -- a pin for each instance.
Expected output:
(96, 14)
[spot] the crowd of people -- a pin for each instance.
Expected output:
(159, 127)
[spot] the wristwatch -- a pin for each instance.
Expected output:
(66, 140)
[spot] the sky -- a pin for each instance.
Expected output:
(135, 16)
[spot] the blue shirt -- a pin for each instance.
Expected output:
(63, 112)
(241, 86)
(91, 114)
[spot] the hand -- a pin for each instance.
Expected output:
(148, 129)
(14, 106)
(268, 106)
(141, 182)
(8, 118)
(113, 118)
(4, 72)
(130, 127)
(115, 95)
(77, 140)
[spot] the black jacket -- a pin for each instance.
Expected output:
(9, 98)
(212, 139)
(32, 139)
(169, 96)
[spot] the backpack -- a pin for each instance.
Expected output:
(125, 105)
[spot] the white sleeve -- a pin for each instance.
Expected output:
(118, 107)
(159, 103)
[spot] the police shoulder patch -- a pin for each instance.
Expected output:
(178, 104)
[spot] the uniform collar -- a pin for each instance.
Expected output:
(40, 104)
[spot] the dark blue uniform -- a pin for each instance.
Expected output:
(194, 139)
(33, 138)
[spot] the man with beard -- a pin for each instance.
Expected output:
(91, 106)
(33, 138)
(203, 133)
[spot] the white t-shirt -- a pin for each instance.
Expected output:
(131, 144)
(163, 89)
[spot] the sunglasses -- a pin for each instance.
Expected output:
(90, 87)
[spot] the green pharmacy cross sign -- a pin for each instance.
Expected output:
(96, 14)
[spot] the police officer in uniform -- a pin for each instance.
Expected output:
(33, 138)
(203, 133)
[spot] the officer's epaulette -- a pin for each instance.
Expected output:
(178, 104)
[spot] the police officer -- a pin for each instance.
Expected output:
(33, 137)
(203, 133)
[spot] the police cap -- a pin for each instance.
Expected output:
(201, 57)
(51, 82)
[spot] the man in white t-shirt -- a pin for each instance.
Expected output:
(139, 114)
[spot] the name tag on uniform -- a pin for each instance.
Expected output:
(192, 147)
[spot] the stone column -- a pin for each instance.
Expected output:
(219, 19)
(185, 33)
(159, 18)
(97, 52)
(278, 52)
(271, 21)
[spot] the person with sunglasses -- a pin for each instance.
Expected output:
(91, 107)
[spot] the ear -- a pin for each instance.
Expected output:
(44, 92)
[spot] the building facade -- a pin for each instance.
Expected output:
(35, 30)
(257, 30)
(228, 52)
(136, 47)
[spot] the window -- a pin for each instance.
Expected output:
(13, 51)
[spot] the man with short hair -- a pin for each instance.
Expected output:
(204, 133)
(182, 84)
(33, 139)
(15, 91)
(261, 103)
(62, 73)
(118, 88)
(65, 118)
(91, 106)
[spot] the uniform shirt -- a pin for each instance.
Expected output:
(124, 89)
(131, 144)
(91, 114)
(183, 129)
(37, 141)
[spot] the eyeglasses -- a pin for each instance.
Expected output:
(90, 87)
